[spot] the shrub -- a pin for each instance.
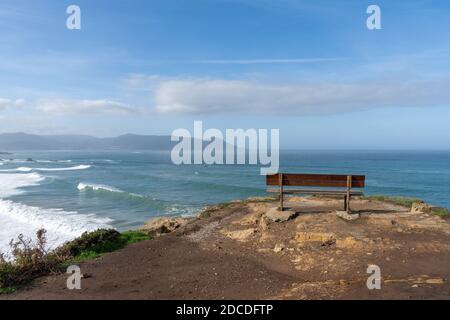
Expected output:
(30, 260)
(88, 241)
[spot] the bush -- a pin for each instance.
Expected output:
(88, 241)
(30, 260)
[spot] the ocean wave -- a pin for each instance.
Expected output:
(61, 226)
(96, 187)
(79, 167)
(11, 184)
(28, 169)
(122, 196)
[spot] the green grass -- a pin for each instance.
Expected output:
(121, 241)
(441, 212)
(8, 290)
(408, 202)
(401, 201)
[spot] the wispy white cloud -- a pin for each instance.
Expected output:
(209, 96)
(9, 103)
(62, 107)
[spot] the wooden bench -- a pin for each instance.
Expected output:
(322, 183)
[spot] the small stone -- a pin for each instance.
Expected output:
(347, 216)
(435, 281)
(343, 282)
(278, 248)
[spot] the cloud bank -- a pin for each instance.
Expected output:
(62, 107)
(209, 96)
(8, 103)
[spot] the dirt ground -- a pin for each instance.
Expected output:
(238, 253)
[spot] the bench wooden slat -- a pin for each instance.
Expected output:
(316, 180)
(316, 191)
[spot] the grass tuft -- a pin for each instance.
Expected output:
(401, 201)
(441, 212)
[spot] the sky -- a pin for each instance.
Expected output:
(309, 68)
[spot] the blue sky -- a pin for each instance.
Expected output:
(310, 68)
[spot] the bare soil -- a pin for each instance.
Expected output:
(237, 253)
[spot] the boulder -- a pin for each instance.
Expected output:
(160, 226)
(275, 215)
(420, 207)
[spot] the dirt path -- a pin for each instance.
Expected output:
(238, 253)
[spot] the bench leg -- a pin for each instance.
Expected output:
(281, 201)
(345, 203)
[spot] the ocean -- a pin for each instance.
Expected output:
(69, 192)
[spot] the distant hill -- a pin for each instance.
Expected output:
(24, 141)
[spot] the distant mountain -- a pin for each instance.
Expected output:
(24, 141)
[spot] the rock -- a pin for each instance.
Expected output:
(435, 281)
(320, 237)
(348, 242)
(420, 207)
(278, 248)
(239, 235)
(160, 226)
(347, 216)
(275, 215)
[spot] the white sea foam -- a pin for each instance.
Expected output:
(28, 169)
(61, 225)
(93, 186)
(80, 167)
(11, 184)
(17, 218)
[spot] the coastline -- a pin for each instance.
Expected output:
(235, 251)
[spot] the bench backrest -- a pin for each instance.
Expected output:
(315, 180)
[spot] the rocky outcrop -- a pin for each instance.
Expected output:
(159, 226)
(421, 207)
(275, 215)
